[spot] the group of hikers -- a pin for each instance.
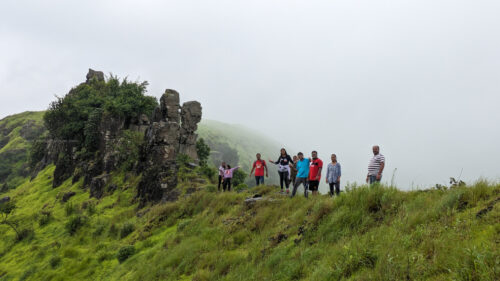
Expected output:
(299, 170)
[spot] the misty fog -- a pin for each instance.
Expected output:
(419, 78)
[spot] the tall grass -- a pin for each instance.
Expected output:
(367, 233)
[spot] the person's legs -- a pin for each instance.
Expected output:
(228, 184)
(313, 186)
(296, 186)
(220, 182)
(224, 185)
(282, 178)
(259, 180)
(306, 188)
(337, 188)
(331, 188)
(373, 179)
(287, 180)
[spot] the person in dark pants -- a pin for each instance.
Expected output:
(228, 176)
(333, 173)
(283, 162)
(259, 166)
(315, 168)
(302, 174)
(222, 167)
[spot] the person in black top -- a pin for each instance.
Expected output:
(283, 162)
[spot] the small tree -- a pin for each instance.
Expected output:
(203, 151)
(5, 210)
(239, 177)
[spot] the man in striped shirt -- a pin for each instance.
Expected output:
(376, 166)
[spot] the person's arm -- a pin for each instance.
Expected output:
(340, 173)
(290, 160)
(265, 167)
(319, 173)
(253, 168)
(327, 173)
(379, 175)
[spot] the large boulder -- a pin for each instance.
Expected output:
(92, 74)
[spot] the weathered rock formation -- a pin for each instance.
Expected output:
(171, 133)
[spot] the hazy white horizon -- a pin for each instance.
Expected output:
(419, 78)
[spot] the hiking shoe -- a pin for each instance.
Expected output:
(287, 191)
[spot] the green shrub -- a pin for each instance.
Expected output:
(211, 188)
(126, 229)
(239, 177)
(125, 252)
(69, 209)
(75, 223)
(44, 218)
(55, 261)
(203, 151)
(240, 187)
(25, 234)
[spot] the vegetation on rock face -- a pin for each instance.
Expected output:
(375, 233)
(76, 116)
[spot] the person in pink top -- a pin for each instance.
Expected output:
(222, 167)
(228, 175)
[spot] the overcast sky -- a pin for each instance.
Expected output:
(421, 78)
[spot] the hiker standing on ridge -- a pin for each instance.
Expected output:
(333, 173)
(228, 176)
(259, 166)
(315, 168)
(283, 163)
(222, 167)
(302, 173)
(376, 166)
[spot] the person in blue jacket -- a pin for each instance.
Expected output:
(302, 174)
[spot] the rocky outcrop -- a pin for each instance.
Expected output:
(92, 74)
(171, 133)
(97, 186)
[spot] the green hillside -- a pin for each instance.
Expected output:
(17, 133)
(367, 233)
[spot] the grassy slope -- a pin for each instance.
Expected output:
(16, 144)
(365, 234)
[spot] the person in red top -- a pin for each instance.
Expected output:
(259, 165)
(315, 168)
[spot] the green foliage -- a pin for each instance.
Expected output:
(211, 188)
(91, 130)
(126, 229)
(183, 160)
(240, 187)
(69, 208)
(209, 172)
(203, 151)
(128, 149)
(125, 252)
(37, 151)
(74, 223)
(75, 117)
(367, 233)
(239, 177)
(55, 261)
(44, 218)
